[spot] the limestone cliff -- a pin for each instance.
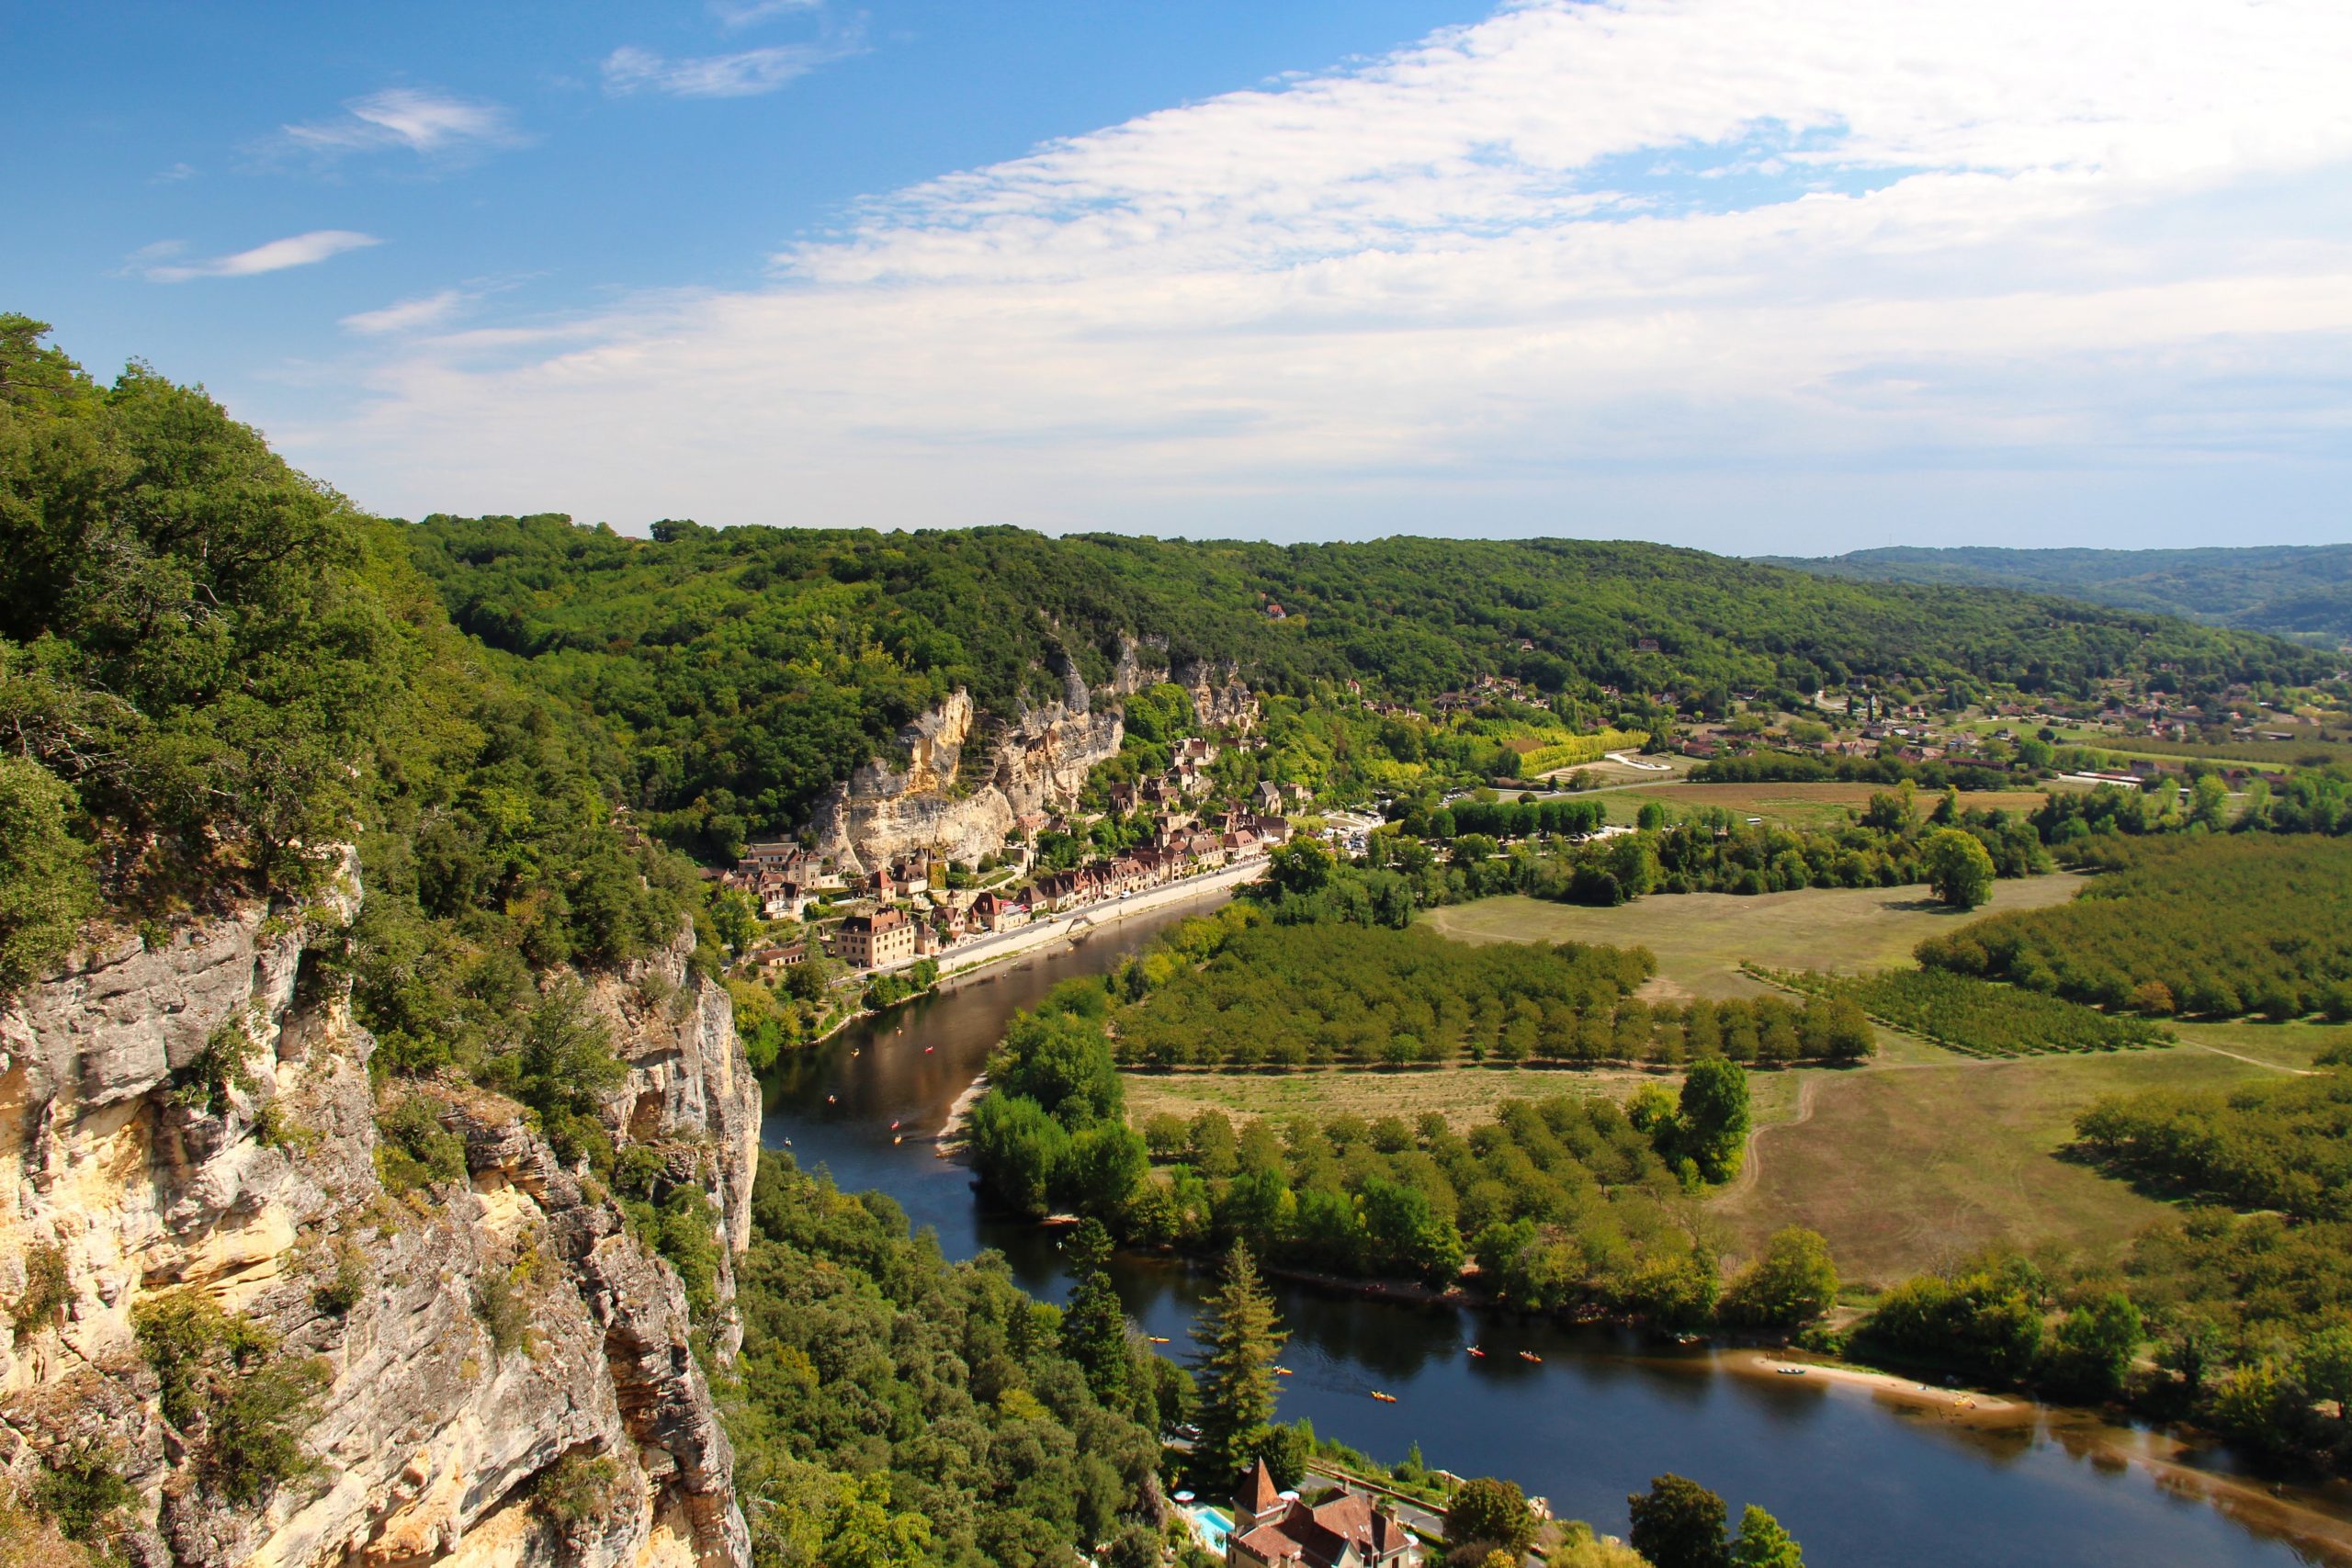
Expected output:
(959, 807)
(194, 1114)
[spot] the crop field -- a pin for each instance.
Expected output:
(1700, 939)
(1464, 1095)
(1980, 1017)
(1803, 805)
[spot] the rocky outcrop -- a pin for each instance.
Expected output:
(1221, 699)
(507, 1376)
(966, 779)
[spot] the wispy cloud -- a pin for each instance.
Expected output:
(429, 124)
(172, 176)
(733, 14)
(409, 315)
(1590, 265)
(740, 75)
(295, 250)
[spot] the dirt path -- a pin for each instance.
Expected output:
(1807, 1085)
(2251, 1061)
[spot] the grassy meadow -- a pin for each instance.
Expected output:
(1700, 939)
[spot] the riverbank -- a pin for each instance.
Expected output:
(2310, 1515)
(976, 960)
(1983, 1407)
(977, 967)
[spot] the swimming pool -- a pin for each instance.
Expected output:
(1210, 1526)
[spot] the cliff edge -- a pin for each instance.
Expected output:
(221, 1301)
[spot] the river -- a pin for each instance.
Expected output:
(1859, 1478)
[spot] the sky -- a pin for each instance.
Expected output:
(1786, 277)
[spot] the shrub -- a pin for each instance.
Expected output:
(577, 1488)
(414, 1149)
(48, 1289)
(224, 1066)
(506, 1315)
(221, 1384)
(78, 1489)
(344, 1287)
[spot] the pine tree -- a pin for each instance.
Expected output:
(1094, 1325)
(1239, 1325)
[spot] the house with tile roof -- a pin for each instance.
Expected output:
(1272, 1529)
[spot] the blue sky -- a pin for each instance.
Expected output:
(1760, 275)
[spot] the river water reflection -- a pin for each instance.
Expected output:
(1860, 1479)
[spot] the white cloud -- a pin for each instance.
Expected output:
(742, 75)
(733, 14)
(408, 315)
(1576, 256)
(295, 250)
(429, 124)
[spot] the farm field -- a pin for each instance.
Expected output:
(1701, 938)
(1464, 1095)
(2315, 750)
(1916, 1161)
(1798, 805)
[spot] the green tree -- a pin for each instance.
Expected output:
(2095, 1344)
(1678, 1524)
(1714, 1117)
(1794, 1282)
(862, 1531)
(1094, 1325)
(1016, 1147)
(1242, 1333)
(1957, 867)
(2323, 1366)
(1764, 1543)
(46, 889)
(1489, 1513)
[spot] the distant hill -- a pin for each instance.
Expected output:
(2298, 590)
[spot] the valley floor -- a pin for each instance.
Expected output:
(1904, 1164)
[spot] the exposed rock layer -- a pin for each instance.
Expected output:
(953, 803)
(432, 1434)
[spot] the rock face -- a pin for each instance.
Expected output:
(962, 808)
(508, 1377)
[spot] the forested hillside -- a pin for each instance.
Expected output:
(746, 670)
(215, 675)
(2301, 590)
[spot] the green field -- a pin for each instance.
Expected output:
(1924, 1155)
(1913, 1163)
(1464, 1095)
(1701, 938)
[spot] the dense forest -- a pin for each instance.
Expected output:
(743, 672)
(895, 1408)
(2288, 590)
(2200, 924)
